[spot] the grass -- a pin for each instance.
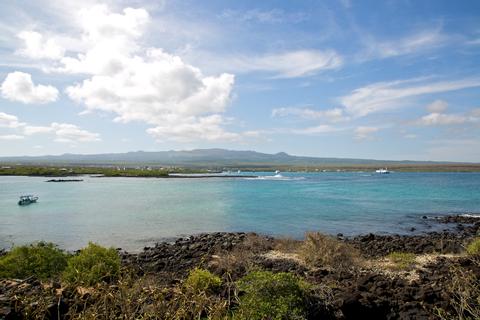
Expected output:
(473, 248)
(92, 265)
(402, 260)
(42, 260)
(319, 250)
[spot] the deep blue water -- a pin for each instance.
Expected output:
(134, 212)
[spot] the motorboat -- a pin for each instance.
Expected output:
(382, 171)
(27, 199)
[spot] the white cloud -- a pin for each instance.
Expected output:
(272, 16)
(291, 64)
(32, 130)
(383, 96)
(9, 121)
(442, 119)
(66, 132)
(185, 130)
(411, 44)
(18, 86)
(37, 47)
(11, 137)
(437, 106)
(437, 116)
(144, 84)
(364, 132)
(323, 128)
(334, 115)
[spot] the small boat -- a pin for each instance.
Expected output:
(26, 200)
(382, 171)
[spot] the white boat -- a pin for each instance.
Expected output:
(28, 199)
(382, 171)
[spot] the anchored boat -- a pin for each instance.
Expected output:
(382, 171)
(26, 200)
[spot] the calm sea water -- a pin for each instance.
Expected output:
(134, 212)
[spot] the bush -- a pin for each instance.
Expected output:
(42, 260)
(200, 280)
(474, 247)
(319, 250)
(268, 295)
(92, 265)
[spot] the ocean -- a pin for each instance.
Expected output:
(135, 212)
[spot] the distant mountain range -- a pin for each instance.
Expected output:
(199, 158)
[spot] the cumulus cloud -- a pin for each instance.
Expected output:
(18, 86)
(383, 96)
(9, 121)
(365, 132)
(136, 83)
(333, 115)
(66, 132)
(37, 47)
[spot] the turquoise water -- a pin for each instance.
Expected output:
(134, 212)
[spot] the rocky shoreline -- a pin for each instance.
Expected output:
(371, 291)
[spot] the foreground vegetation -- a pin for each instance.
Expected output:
(94, 284)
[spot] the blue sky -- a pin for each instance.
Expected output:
(339, 78)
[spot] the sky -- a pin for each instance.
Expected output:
(391, 80)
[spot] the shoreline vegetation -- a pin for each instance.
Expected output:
(186, 172)
(248, 276)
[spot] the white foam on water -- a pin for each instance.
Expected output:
(277, 177)
(470, 215)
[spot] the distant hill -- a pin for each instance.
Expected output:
(199, 158)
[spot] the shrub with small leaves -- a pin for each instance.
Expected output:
(276, 296)
(200, 280)
(42, 260)
(92, 265)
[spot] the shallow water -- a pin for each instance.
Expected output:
(134, 212)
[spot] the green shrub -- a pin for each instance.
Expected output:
(402, 260)
(42, 260)
(92, 265)
(275, 296)
(200, 280)
(474, 247)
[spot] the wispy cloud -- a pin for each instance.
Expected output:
(333, 115)
(438, 117)
(323, 128)
(272, 16)
(363, 132)
(417, 42)
(288, 64)
(383, 96)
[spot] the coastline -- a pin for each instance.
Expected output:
(374, 289)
